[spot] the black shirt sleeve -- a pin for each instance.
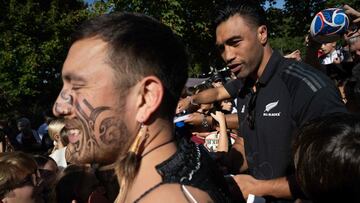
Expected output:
(233, 87)
(325, 101)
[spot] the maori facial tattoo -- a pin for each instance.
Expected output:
(101, 133)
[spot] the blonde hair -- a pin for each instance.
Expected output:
(55, 127)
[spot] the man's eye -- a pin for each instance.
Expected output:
(76, 87)
(234, 43)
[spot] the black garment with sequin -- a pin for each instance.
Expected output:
(192, 166)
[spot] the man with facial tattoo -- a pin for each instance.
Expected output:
(122, 79)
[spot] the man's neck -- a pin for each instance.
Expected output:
(159, 131)
(158, 148)
(265, 59)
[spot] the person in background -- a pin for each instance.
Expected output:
(338, 62)
(43, 128)
(326, 157)
(46, 142)
(20, 178)
(330, 54)
(79, 183)
(58, 134)
(275, 95)
(48, 171)
(28, 139)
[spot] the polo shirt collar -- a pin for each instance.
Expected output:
(270, 68)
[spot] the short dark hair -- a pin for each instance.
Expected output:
(327, 158)
(249, 10)
(141, 46)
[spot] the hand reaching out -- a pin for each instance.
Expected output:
(183, 104)
(219, 117)
(294, 55)
(354, 14)
(248, 185)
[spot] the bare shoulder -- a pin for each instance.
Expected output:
(175, 193)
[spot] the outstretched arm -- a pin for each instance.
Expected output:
(205, 97)
(354, 14)
(197, 119)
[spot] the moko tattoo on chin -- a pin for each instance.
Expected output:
(89, 149)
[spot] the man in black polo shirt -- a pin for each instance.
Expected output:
(275, 97)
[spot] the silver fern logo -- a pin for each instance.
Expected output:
(269, 107)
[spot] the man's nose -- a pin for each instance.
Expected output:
(63, 107)
(228, 54)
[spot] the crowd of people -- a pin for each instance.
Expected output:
(127, 129)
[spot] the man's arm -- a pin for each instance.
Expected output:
(197, 119)
(353, 13)
(232, 121)
(205, 97)
(211, 95)
(278, 188)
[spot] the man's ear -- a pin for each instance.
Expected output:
(149, 98)
(262, 34)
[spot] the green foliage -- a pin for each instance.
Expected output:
(34, 38)
(337, 3)
(287, 45)
(188, 19)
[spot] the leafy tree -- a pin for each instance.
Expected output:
(34, 37)
(336, 3)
